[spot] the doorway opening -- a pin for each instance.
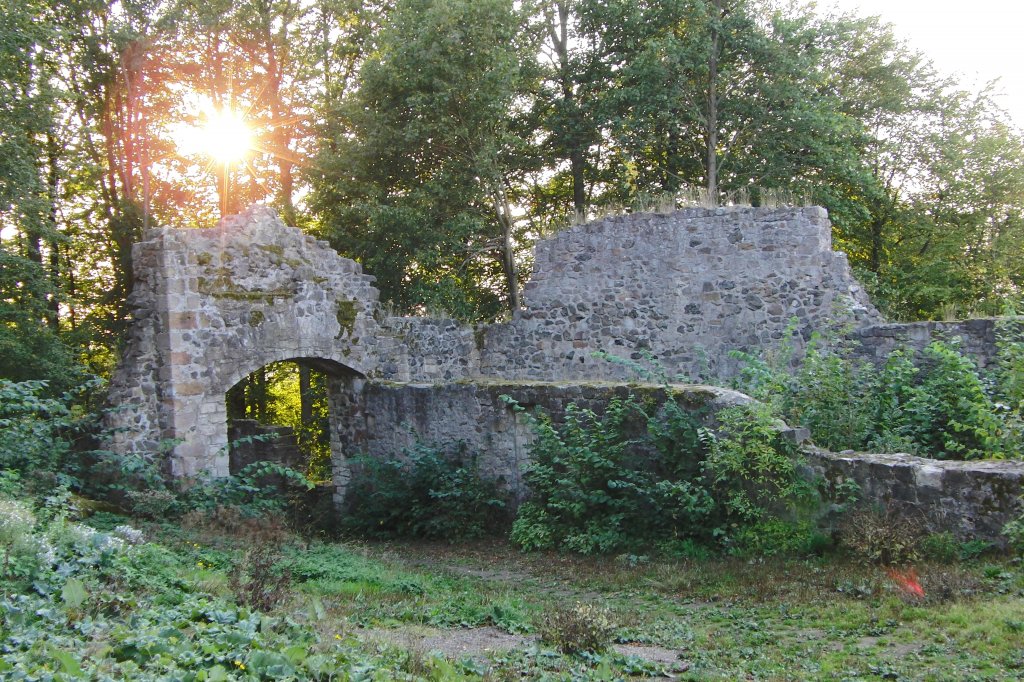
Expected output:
(280, 413)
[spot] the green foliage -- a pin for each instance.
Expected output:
(596, 488)
(29, 348)
(944, 547)
(752, 469)
(935, 403)
(38, 445)
(141, 600)
(628, 479)
(420, 160)
(38, 432)
(1014, 530)
(255, 490)
(427, 494)
(582, 628)
(949, 413)
(774, 536)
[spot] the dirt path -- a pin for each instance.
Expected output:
(479, 643)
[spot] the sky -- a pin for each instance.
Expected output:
(978, 40)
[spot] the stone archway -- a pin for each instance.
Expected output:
(211, 306)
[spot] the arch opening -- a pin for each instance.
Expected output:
(287, 412)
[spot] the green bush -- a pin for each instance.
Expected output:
(935, 403)
(752, 469)
(37, 431)
(1014, 530)
(634, 477)
(600, 484)
(427, 494)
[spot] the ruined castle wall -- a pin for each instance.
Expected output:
(686, 288)
(473, 417)
(211, 306)
(972, 500)
(977, 338)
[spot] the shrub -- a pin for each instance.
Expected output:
(612, 483)
(20, 549)
(635, 477)
(255, 580)
(583, 628)
(950, 414)
(882, 537)
(776, 536)
(935, 404)
(753, 470)
(1014, 531)
(259, 489)
(428, 494)
(830, 394)
(37, 431)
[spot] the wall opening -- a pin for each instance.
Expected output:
(280, 413)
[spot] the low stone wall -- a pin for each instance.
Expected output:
(250, 442)
(473, 416)
(977, 337)
(973, 500)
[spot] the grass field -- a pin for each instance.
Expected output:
(252, 601)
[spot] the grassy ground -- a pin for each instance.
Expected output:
(179, 609)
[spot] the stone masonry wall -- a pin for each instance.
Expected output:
(973, 500)
(211, 306)
(686, 287)
(473, 417)
(977, 338)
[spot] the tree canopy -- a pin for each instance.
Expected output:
(434, 140)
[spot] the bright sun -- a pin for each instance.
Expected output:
(224, 136)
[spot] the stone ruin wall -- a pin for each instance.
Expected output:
(686, 288)
(212, 306)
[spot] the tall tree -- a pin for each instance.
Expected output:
(419, 170)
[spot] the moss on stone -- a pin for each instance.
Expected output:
(256, 318)
(278, 250)
(275, 249)
(243, 295)
(345, 311)
(480, 337)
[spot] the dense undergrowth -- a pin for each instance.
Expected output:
(936, 403)
(208, 582)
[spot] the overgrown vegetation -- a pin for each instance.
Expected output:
(108, 597)
(936, 403)
(638, 477)
(227, 592)
(580, 628)
(427, 494)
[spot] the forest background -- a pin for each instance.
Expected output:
(435, 140)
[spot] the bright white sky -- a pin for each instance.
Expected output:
(978, 40)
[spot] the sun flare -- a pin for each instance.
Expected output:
(223, 135)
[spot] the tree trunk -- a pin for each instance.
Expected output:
(509, 267)
(712, 119)
(305, 396)
(53, 189)
(558, 31)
